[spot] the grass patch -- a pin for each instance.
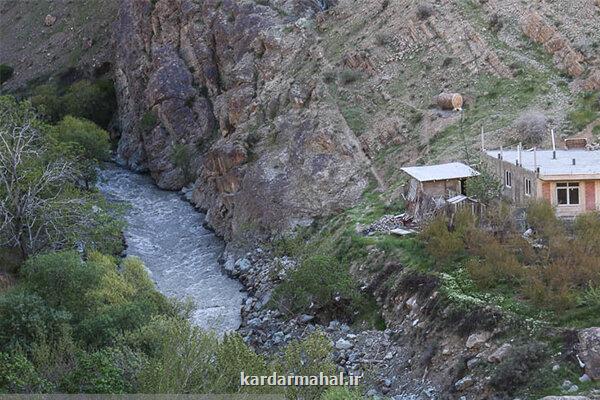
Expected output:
(587, 110)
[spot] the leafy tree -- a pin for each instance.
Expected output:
(47, 100)
(95, 101)
(85, 142)
(36, 205)
(485, 187)
(321, 283)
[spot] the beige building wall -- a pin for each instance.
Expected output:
(516, 192)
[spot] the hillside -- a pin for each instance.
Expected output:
(55, 40)
(280, 113)
(287, 123)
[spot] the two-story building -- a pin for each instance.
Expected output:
(568, 179)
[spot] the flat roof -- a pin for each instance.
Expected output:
(440, 172)
(587, 162)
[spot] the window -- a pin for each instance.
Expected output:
(527, 187)
(508, 179)
(567, 193)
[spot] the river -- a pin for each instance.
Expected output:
(181, 256)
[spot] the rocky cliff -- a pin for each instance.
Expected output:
(275, 112)
(227, 95)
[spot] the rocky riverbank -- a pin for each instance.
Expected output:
(384, 357)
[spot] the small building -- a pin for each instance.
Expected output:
(569, 179)
(441, 180)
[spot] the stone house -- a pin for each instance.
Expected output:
(569, 179)
(441, 180)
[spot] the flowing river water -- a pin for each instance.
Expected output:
(166, 232)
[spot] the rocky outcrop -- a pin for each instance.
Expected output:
(566, 57)
(226, 94)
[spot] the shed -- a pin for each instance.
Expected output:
(440, 180)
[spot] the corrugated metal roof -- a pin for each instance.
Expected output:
(440, 172)
(587, 162)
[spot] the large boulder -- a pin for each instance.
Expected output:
(589, 351)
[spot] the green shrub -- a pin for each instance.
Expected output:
(95, 101)
(26, 320)
(94, 373)
(181, 358)
(348, 76)
(587, 232)
(588, 110)
(148, 121)
(91, 141)
(234, 356)
(62, 279)
(321, 284)
(444, 246)
(308, 357)
(6, 72)
(542, 218)
(18, 375)
(514, 371)
(181, 157)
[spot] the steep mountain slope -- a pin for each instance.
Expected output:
(276, 115)
(59, 40)
(280, 111)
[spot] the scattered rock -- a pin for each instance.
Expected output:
(464, 383)
(49, 20)
(477, 339)
(555, 367)
(343, 344)
(305, 318)
(471, 363)
(569, 387)
(500, 353)
(584, 378)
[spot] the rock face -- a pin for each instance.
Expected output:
(541, 32)
(224, 94)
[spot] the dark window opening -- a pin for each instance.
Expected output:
(567, 193)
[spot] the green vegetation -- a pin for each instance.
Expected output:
(148, 121)
(87, 321)
(47, 170)
(587, 110)
(6, 72)
(95, 101)
(558, 274)
(320, 284)
(327, 252)
(181, 157)
(485, 187)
